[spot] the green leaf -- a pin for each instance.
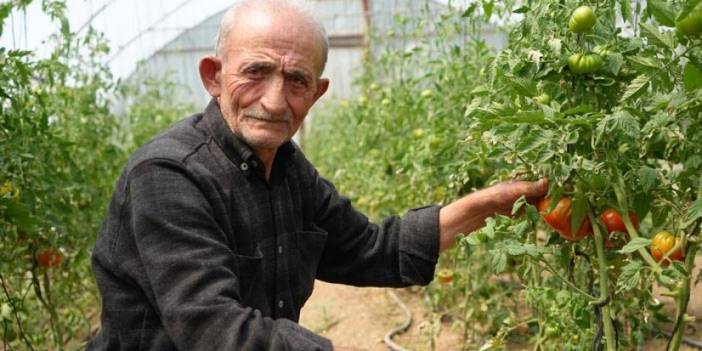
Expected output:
(625, 6)
(692, 77)
(630, 276)
(518, 205)
(619, 123)
(647, 177)
(636, 87)
(693, 213)
(522, 9)
(635, 244)
(614, 62)
(578, 211)
(523, 86)
(642, 204)
(664, 40)
(662, 12)
(499, 261)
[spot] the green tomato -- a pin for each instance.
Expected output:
(582, 20)
(601, 50)
(585, 63)
(543, 99)
(692, 24)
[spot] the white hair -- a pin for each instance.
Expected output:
(303, 8)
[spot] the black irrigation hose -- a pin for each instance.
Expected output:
(402, 328)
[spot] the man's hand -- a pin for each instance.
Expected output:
(469, 213)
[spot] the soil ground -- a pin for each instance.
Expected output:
(360, 317)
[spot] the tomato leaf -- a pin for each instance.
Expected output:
(636, 87)
(619, 123)
(642, 204)
(614, 62)
(635, 244)
(662, 12)
(524, 87)
(630, 276)
(664, 40)
(625, 6)
(693, 213)
(499, 261)
(692, 77)
(647, 177)
(578, 211)
(518, 205)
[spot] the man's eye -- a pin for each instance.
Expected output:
(255, 73)
(299, 81)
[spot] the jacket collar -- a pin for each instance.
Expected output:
(234, 147)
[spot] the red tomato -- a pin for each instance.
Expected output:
(560, 217)
(664, 242)
(49, 258)
(614, 224)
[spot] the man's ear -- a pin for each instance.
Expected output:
(322, 86)
(210, 71)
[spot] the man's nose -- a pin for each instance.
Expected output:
(273, 99)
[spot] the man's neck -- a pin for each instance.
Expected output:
(267, 156)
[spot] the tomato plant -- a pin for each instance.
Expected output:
(62, 147)
(620, 129)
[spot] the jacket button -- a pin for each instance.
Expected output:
(281, 304)
(244, 166)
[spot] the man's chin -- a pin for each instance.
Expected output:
(264, 142)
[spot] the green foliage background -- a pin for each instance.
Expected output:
(62, 148)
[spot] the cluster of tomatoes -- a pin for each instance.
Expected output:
(664, 244)
(583, 20)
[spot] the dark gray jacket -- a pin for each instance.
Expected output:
(200, 252)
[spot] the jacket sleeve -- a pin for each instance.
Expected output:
(191, 272)
(396, 252)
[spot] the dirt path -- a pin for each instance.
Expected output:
(360, 318)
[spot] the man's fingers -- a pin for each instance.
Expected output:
(536, 190)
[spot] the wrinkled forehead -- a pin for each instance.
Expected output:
(287, 32)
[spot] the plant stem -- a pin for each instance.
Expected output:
(682, 300)
(631, 230)
(610, 341)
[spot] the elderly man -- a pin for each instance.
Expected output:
(219, 226)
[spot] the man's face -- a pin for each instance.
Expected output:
(268, 80)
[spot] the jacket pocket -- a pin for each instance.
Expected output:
(249, 271)
(309, 249)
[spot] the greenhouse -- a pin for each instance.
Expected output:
(350, 175)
